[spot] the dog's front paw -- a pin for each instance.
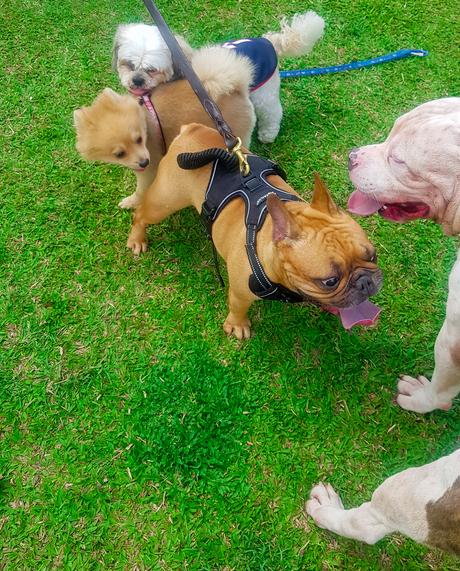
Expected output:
(137, 244)
(417, 394)
(129, 202)
(322, 496)
(240, 330)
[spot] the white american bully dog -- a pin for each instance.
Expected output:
(415, 173)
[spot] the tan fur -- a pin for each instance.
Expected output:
(304, 246)
(114, 122)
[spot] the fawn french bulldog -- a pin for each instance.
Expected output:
(315, 250)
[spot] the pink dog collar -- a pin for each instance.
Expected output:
(156, 120)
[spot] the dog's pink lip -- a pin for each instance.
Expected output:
(140, 169)
(137, 91)
(365, 205)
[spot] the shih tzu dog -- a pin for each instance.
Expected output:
(143, 61)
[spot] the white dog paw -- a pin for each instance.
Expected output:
(129, 202)
(416, 394)
(322, 496)
(267, 136)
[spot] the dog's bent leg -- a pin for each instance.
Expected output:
(237, 322)
(158, 202)
(421, 395)
(269, 111)
(363, 523)
(143, 181)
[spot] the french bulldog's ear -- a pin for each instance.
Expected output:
(322, 199)
(284, 225)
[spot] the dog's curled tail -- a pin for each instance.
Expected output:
(299, 36)
(222, 71)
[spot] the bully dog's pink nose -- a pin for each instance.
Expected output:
(353, 158)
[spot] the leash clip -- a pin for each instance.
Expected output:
(244, 165)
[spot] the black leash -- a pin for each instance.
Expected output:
(232, 143)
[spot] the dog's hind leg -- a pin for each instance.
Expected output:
(421, 395)
(268, 109)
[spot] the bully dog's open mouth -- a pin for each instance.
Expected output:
(365, 205)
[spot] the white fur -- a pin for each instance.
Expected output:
(398, 505)
(143, 60)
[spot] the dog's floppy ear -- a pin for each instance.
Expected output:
(322, 200)
(116, 47)
(284, 225)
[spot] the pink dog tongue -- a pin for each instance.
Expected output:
(366, 313)
(363, 204)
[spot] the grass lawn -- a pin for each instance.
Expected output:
(134, 434)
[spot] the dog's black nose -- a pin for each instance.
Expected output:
(138, 80)
(143, 163)
(352, 158)
(366, 284)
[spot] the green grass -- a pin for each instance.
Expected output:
(134, 434)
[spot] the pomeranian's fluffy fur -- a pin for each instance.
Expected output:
(117, 129)
(143, 61)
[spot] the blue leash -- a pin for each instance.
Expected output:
(354, 64)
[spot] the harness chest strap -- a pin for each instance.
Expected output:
(224, 186)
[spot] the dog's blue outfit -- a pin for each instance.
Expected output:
(262, 55)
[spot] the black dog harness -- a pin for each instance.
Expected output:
(226, 184)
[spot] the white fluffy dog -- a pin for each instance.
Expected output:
(143, 61)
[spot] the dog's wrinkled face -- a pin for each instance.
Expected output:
(141, 58)
(325, 254)
(415, 173)
(113, 130)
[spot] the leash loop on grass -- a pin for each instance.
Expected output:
(393, 56)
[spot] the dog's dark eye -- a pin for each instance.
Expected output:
(330, 282)
(120, 154)
(373, 258)
(139, 140)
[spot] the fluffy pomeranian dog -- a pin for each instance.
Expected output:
(143, 61)
(118, 129)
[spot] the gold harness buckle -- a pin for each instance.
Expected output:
(244, 165)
